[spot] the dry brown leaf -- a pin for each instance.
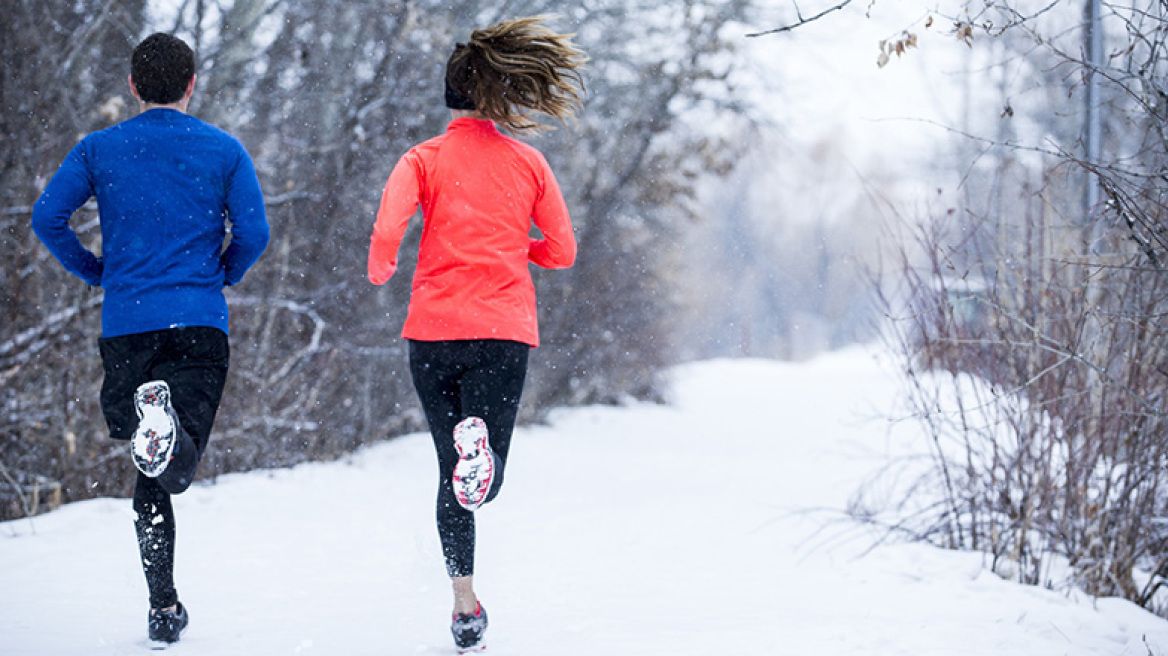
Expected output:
(964, 32)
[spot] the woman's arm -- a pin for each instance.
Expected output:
(557, 249)
(399, 202)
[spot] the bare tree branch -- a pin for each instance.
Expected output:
(802, 21)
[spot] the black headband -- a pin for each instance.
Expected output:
(456, 99)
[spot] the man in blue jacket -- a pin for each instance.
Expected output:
(167, 185)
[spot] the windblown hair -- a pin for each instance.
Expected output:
(517, 67)
(162, 66)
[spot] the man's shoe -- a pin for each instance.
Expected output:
(167, 625)
(157, 432)
(476, 463)
(468, 630)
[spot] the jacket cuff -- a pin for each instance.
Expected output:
(91, 272)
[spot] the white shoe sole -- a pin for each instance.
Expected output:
(476, 464)
(155, 436)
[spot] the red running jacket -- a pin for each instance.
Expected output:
(480, 191)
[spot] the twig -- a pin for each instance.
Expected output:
(802, 21)
(20, 494)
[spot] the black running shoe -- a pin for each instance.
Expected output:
(167, 625)
(468, 630)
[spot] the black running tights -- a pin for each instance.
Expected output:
(456, 380)
(193, 361)
(154, 523)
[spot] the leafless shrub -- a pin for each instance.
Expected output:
(1038, 371)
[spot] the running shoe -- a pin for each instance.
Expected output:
(157, 433)
(468, 630)
(476, 463)
(167, 625)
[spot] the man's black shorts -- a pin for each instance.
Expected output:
(192, 360)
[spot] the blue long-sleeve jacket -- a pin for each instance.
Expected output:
(166, 184)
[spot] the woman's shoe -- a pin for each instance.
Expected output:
(468, 630)
(476, 463)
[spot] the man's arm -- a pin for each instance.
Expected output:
(249, 222)
(70, 187)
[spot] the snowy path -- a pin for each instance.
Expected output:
(667, 538)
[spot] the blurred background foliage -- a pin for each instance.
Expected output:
(326, 96)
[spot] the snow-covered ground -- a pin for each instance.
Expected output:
(712, 526)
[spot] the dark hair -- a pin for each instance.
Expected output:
(162, 66)
(515, 67)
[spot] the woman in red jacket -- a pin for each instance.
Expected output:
(472, 312)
